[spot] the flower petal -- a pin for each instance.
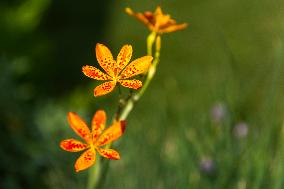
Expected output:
(173, 28)
(158, 11)
(136, 67)
(98, 123)
(72, 145)
(133, 84)
(104, 88)
(109, 153)
(79, 126)
(86, 160)
(123, 58)
(112, 133)
(144, 18)
(105, 58)
(95, 73)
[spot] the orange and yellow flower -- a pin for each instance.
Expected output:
(117, 71)
(158, 21)
(94, 139)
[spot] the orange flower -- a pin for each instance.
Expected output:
(157, 21)
(94, 140)
(117, 71)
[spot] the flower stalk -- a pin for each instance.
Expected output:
(94, 175)
(117, 72)
(125, 107)
(132, 99)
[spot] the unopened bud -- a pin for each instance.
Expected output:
(158, 43)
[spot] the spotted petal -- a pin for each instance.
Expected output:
(123, 58)
(136, 67)
(79, 126)
(104, 88)
(95, 73)
(133, 84)
(86, 160)
(112, 133)
(109, 153)
(105, 58)
(98, 123)
(73, 145)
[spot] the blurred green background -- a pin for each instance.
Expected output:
(212, 117)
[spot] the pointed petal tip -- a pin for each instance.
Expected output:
(128, 11)
(70, 114)
(62, 144)
(77, 169)
(116, 158)
(128, 45)
(100, 111)
(98, 45)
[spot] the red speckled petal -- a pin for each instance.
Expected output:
(109, 153)
(133, 84)
(112, 133)
(79, 126)
(123, 58)
(95, 73)
(86, 160)
(104, 88)
(105, 58)
(138, 66)
(98, 123)
(72, 145)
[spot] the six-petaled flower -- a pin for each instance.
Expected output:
(94, 139)
(158, 21)
(117, 71)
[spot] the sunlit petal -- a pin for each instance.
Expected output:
(158, 21)
(133, 84)
(95, 73)
(105, 58)
(138, 66)
(123, 58)
(139, 16)
(86, 160)
(79, 126)
(173, 28)
(112, 133)
(98, 123)
(158, 11)
(73, 145)
(109, 153)
(104, 88)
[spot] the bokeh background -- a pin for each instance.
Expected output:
(212, 117)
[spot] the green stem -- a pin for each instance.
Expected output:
(151, 73)
(150, 41)
(98, 172)
(94, 175)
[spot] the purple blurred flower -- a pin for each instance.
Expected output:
(218, 112)
(240, 130)
(207, 166)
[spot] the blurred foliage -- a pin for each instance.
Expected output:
(212, 118)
